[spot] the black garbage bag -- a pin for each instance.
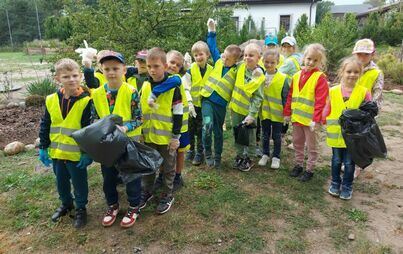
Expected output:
(138, 160)
(241, 133)
(102, 141)
(362, 135)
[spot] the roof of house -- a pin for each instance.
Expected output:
(223, 2)
(380, 9)
(350, 8)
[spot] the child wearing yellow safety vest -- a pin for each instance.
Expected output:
(120, 98)
(347, 95)
(246, 101)
(162, 128)
(216, 94)
(275, 93)
(194, 81)
(293, 61)
(67, 110)
(372, 77)
(305, 102)
(175, 61)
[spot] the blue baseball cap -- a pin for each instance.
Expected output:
(270, 39)
(112, 55)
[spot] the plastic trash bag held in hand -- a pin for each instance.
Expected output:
(362, 135)
(102, 140)
(87, 54)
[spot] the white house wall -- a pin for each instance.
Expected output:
(272, 12)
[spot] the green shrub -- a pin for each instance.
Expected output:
(391, 67)
(42, 87)
(303, 31)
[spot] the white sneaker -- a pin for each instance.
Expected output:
(263, 161)
(275, 163)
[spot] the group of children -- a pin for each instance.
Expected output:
(181, 112)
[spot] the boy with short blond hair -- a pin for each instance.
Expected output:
(120, 98)
(216, 94)
(163, 116)
(67, 110)
(194, 81)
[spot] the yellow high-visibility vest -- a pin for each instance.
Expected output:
(222, 85)
(62, 145)
(272, 106)
(122, 107)
(303, 101)
(334, 138)
(198, 82)
(368, 79)
(242, 93)
(158, 123)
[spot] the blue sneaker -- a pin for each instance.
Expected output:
(334, 190)
(209, 161)
(346, 194)
(189, 155)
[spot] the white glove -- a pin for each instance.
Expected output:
(257, 72)
(87, 54)
(192, 111)
(151, 101)
(187, 61)
(286, 120)
(211, 24)
(248, 120)
(312, 126)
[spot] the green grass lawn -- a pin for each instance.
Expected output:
(226, 211)
(19, 62)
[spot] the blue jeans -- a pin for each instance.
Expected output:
(66, 171)
(341, 155)
(133, 189)
(213, 120)
(272, 129)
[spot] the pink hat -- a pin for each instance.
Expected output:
(142, 54)
(366, 46)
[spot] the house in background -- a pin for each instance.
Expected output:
(338, 11)
(382, 10)
(273, 14)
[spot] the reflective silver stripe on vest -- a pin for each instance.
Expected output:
(303, 101)
(273, 111)
(302, 113)
(62, 130)
(273, 99)
(158, 117)
(157, 132)
(185, 122)
(241, 92)
(208, 88)
(220, 84)
(186, 109)
(333, 135)
(196, 100)
(332, 122)
(240, 104)
(64, 147)
(228, 78)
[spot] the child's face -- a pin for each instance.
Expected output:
(228, 59)
(364, 58)
(113, 71)
(69, 79)
(312, 60)
(270, 63)
(200, 58)
(270, 46)
(141, 66)
(287, 49)
(175, 64)
(350, 74)
(156, 69)
(251, 58)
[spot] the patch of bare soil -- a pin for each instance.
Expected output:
(18, 124)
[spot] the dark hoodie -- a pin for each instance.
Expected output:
(65, 106)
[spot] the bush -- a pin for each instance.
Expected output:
(34, 101)
(391, 67)
(55, 43)
(303, 31)
(42, 87)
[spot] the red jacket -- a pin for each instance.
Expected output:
(321, 93)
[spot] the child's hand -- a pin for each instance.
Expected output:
(312, 126)
(249, 120)
(211, 24)
(123, 129)
(257, 72)
(44, 157)
(286, 120)
(151, 101)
